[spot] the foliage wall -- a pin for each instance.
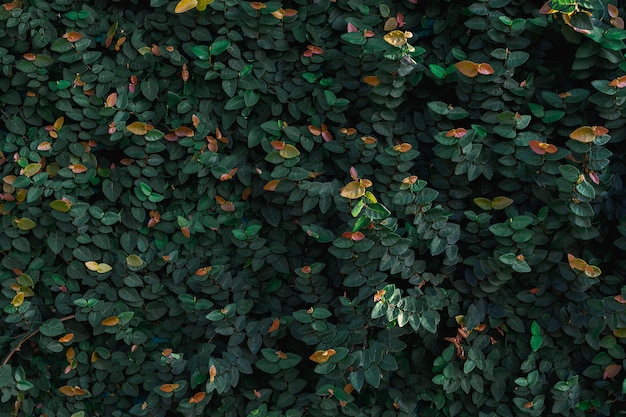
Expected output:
(312, 208)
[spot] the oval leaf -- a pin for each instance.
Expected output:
(110, 321)
(134, 260)
(467, 68)
(185, 5)
(62, 206)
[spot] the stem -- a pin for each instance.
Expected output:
(28, 336)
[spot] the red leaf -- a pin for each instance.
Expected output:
(611, 371)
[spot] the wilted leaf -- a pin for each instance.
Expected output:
(467, 68)
(110, 321)
(73, 36)
(134, 261)
(397, 38)
(583, 134)
(353, 190)
(168, 387)
(611, 371)
(111, 100)
(198, 397)
(185, 5)
(619, 82)
(271, 185)
(78, 168)
(322, 356)
(371, 80)
(576, 263)
(31, 169)
(275, 325)
(18, 300)
(289, 151)
(592, 271)
(67, 338)
(139, 128)
(72, 391)
(25, 223)
(62, 206)
(484, 69)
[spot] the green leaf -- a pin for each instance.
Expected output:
(52, 327)
(219, 46)
(15, 125)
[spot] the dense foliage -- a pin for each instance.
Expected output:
(312, 208)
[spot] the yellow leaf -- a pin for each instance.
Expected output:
(483, 202)
(77, 168)
(18, 299)
(103, 268)
(185, 5)
(620, 333)
(592, 271)
(202, 4)
(58, 123)
(32, 169)
(396, 38)
(91, 265)
(353, 190)
(139, 128)
(25, 223)
(322, 356)
(289, 151)
(62, 206)
(134, 260)
(584, 134)
(44, 146)
(110, 321)
(501, 202)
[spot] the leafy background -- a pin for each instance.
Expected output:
(368, 208)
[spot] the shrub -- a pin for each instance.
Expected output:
(312, 208)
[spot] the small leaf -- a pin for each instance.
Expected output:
(67, 338)
(501, 202)
(103, 268)
(91, 265)
(271, 185)
(62, 206)
(134, 261)
(31, 169)
(289, 151)
(592, 271)
(139, 128)
(72, 391)
(111, 100)
(198, 397)
(576, 263)
(18, 300)
(185, 5)
(467, 68)
(25, 223)
(322, 356)
(353, 190)
(611, 371)
(397, 38)
(77, 168)
(584, 134)
(371, 80)
(73, 36)
(110, 321)
(484, 69)
(275, 325)
(168, 387)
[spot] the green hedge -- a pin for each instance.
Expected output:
(312, 208)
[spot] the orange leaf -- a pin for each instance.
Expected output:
(467, 68)
(599, 130)
(195, 120)
(185, 231)
(457, 133)
(402, 147)
(271, 185)
(611, 371)
(73, 36)
(584, 134)
(275, 325)
(620, 299)
(619, 82)
(229, 175)
(77, 168)
(111, 100)
(212, 373)
(542, 147)
(348, 389)
(368, 140)
(277, 144)
(29, 56)
(183, 132)
(72, 391)
(256, 5)
(168, 387)
(139, 128)
(348, 131)
(484, 69)
(576, 263)
(67, 338)
(613, 12)
(322, 356)
(371, 80)
(197, 397)
(200, 272)
(110, 321)
(390, 24)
